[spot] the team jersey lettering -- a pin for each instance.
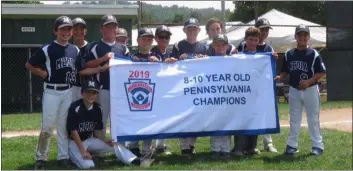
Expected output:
(298, 65)
(86, 126)
(65, 62)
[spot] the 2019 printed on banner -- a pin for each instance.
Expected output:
(140, 91)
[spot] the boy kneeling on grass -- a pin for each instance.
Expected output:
(85, 129)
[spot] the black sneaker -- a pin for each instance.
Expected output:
(136, 151)
(64, 163)
(215, 155)
(185, 152)
(290, 151)
(39, 165)
(163, 150)
(226, 155)
(192, 150)
(316, 151)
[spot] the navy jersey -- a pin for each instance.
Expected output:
(58, 61)
(259, 48)
(84, 120)
(143, 57)
(191, 50)
(302, 65)
(211, 51)
(79, 65)
(157, 53)
(97, 50)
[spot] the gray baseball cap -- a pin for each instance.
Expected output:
(121, 32)
(221, 37)
(107, 19)
(62, 21)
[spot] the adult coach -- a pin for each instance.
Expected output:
(99, 53)
(79, 34)
(58, 60)
(84, 126)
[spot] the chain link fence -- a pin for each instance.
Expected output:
(21, 91)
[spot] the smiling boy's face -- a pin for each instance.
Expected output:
(220, 47)
(64, 33)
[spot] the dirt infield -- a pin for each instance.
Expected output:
(340, 119)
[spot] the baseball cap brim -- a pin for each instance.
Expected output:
(81, 24)
(65, 25)
(121, 35)
(108, 22)
(192, 25)
(265, 26)
(146, 34)
(306, 31)
(164, 31)
(217, 40)
(91, 89)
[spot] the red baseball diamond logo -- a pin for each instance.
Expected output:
(140, 93)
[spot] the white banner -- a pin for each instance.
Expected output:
(198, 97)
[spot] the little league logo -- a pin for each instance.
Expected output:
(140, 94)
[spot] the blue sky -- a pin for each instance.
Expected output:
(191, 4)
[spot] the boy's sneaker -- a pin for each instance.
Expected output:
(238, 153)
(163, 150)
(39, 165)
(185, 152)
(253, 152)
(226, 155)
(136, 151)
(148, 155)
(146, 162)
(271, 149)
(316, 151)
(215, 154)
(290, 150)
(64, 164)
(192, 150)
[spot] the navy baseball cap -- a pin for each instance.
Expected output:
(221, 37)
(62, 21)
(145, 32)
(107, 19)
(263, 23)
(121, 32)
(161, 29)
(79, 21)
(302, 28)
(90, 84)
(192, 22)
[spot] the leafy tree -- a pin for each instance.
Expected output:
(308, 10)
(178, 18)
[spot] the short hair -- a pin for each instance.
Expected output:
(212, 21)
(253, 32)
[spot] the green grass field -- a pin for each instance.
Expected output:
(18, 154)
(20, 122)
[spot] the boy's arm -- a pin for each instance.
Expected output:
(35, 61)
(99, 127)
(77, 139)
(37, 71)
(319, 70)
(92, 71)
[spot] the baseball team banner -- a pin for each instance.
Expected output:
(223, 95)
